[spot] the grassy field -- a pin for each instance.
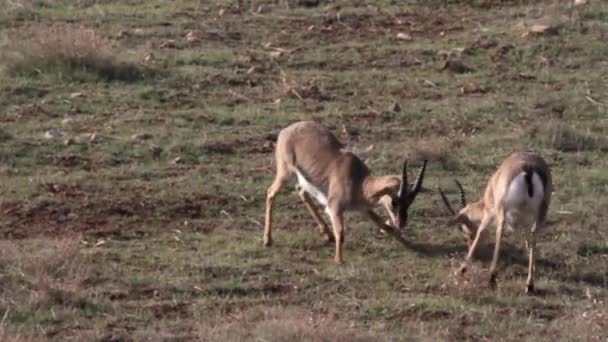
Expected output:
(136, 143)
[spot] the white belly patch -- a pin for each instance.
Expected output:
(313, 191)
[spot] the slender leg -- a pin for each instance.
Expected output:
(531, 242)
(277, 184)
(337, 222)
(384, 227)
(473, 246)
(312, 209)
(499, 228)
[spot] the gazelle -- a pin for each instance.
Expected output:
(517, 195)
(339, 181)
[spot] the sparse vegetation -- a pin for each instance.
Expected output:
(66, 51)
(139, 218)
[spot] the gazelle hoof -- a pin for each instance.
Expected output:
(492, 281)
(530, 289)
(267, 242)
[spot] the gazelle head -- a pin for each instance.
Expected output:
(468, 217)
(403, 199)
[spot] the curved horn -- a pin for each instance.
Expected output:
(418, 182)
(446, 202)
(463, 199)
(404, 183)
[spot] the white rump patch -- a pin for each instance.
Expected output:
(312, 190)
(521, 209)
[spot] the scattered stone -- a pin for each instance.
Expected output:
(539, 29)
(75, 95)
(122, 34)
(580, 2)
(88, 137)
(177, 160)
(262, 9)
(471, 87)
(149, 57)
(141, 136)
(192, 38)
(396, 107)
(404, 36)
(168, 44)
(53, 133)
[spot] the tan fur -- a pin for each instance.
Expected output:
(345, 180)
(475, 217)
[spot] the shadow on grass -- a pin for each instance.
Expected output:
(510, 255)
(81, 69)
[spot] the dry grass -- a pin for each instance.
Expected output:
(283, 324)
(67, 51)
(567, 138)
(53, 275)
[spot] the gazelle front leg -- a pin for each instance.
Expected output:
(485, 222)
(273, 190)
(531, 244)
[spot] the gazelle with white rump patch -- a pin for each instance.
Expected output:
(338, 180)
(518, 196)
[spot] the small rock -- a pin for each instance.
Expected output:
(68, 141)
(53, 133)
(149, 57)
(580, 2)
(471, 87)
(66, 121)
(88, 137)
(276, 53)
(191, 38)
(262, 9)
(543, 29)
(122, 34)
(176, 160)
(168, 44)
(396, 107)
(404, 36)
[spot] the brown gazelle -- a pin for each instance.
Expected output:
(517, 196)
(338, 180)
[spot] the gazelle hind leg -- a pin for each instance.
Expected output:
(312, 209)
(279, 181)
(531, 246)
